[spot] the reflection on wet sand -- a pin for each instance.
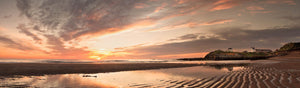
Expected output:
(257, 75)
(56, 81)
(115, 79)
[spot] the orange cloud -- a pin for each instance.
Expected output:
(219, 21)
(190, 25)
(138, 24)
(223, 6)
(221, 2)
(255, 8)
(160, 8)
(226, 4)
(181, 1)
(95, 16)
(140, 5)
(8, 53)
(1, 28)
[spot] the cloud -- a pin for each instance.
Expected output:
(290, 2)
(7, 16)
(186, 37)
(291, 18)
(140, 5)
(217, 21)
(236, 38)
(12, 44)
(226, 4)
(255, 8)
(78, 18)
(58, 48)
(26, 31)
(96, 18)
(1, 28)
(189, 24)
(161, 7)
(255, 12)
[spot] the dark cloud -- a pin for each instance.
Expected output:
(12, 44)
(236, 38)
(58, 47)
(189, 36)
(26, 31)
(74, 18)
(292, 18)
(186, 37)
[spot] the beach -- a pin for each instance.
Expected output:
(31, 69)
(282, 71)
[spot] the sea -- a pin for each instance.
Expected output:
(115, 61)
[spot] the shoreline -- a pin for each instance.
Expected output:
(36, 69)
(282, 71)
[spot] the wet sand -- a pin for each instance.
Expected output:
(34, 69)
(255, 76)
(285, 74)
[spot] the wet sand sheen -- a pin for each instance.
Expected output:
(285, 74)
(31, 69)
(256, 76)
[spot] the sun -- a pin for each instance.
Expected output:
(95, 57)
(99, 58)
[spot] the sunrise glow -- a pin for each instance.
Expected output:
(143, 29)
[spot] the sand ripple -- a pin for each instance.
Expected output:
(255, 76)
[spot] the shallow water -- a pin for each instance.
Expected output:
(118, 79)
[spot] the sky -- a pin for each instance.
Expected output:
(143, 29)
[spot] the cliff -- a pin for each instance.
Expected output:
(290, 47)
(226, 55)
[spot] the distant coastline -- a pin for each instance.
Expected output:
(262, 54)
